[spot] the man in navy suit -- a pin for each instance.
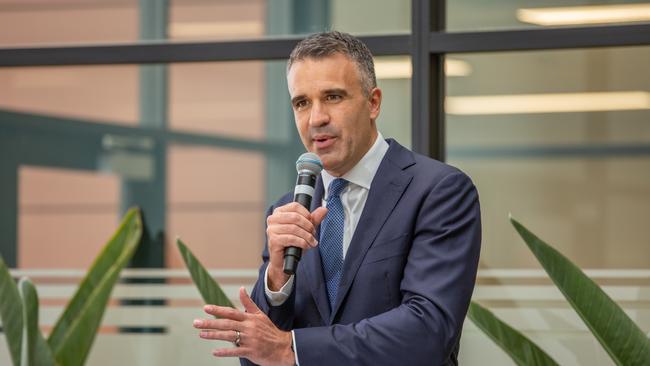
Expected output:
(406, 246)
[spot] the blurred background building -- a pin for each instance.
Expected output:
(181, 107)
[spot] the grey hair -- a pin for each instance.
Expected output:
(321, 45)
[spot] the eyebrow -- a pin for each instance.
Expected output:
(336, 91)
(340, 91)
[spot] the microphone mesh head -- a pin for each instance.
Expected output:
(309, 162)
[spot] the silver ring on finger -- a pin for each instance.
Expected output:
(237, 341)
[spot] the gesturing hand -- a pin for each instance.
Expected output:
(260, 340)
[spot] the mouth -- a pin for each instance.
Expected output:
(323, 141)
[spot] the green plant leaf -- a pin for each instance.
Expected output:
(208, 287)
(35, 351)
(622, 339)
(11, 313)
(521, 349)
(75, 331)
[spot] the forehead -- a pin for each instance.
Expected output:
(335, 71)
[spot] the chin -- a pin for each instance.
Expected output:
(327, 163)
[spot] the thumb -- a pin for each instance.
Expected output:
(318, 215)
(248, 303)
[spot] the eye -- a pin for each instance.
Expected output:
(300, 104)
(333, 97)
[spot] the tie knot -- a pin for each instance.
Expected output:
(336, 187)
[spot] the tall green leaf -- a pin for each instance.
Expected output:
(75, 330)
(35, 351)
(521, 349)
(208, 287)
(11, 313)
(622, 339)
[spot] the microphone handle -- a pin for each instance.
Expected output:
(304, 200)
(292, 254)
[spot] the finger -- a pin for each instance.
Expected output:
(217, 324)
(318, 215)
(224, 312)
(222, 335)
(230, 352)
(293, 241)
(248, 303)
(293, 207)
(294, 231)
(291, 218)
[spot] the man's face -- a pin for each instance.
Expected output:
(335, 120)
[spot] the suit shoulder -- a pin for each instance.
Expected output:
(424, 169)
(439, 181)
(436, 171)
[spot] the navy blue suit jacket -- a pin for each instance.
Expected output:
(408, 274)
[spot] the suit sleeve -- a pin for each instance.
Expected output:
(437, 285)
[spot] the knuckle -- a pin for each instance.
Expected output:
(295, 230)
(290, 216)
(294, 218)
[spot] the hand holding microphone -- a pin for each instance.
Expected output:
(292, 225)
(308, 167)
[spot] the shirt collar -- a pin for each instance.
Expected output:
(362, 173)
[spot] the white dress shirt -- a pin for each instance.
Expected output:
(353, 198)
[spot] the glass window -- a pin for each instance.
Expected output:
(68, 21)
(218, 98)
(394, 79)
(38, 23)
(201, 20)
(216, 204)
(560, 139)
(65, 216)
(371, 16)
(471, 15)
(100, 94)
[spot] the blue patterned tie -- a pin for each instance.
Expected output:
(331, 239)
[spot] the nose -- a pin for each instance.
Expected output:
(318, 116)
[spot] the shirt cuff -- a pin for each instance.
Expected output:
(277, 298)
(295, 347)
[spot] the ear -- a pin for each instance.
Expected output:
(374, 101)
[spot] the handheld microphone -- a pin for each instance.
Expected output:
(308, 167)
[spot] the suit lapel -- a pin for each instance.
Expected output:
(312, 266)
(386, 189)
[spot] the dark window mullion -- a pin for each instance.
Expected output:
(163, 52)
(428, 80)
(540, 39)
